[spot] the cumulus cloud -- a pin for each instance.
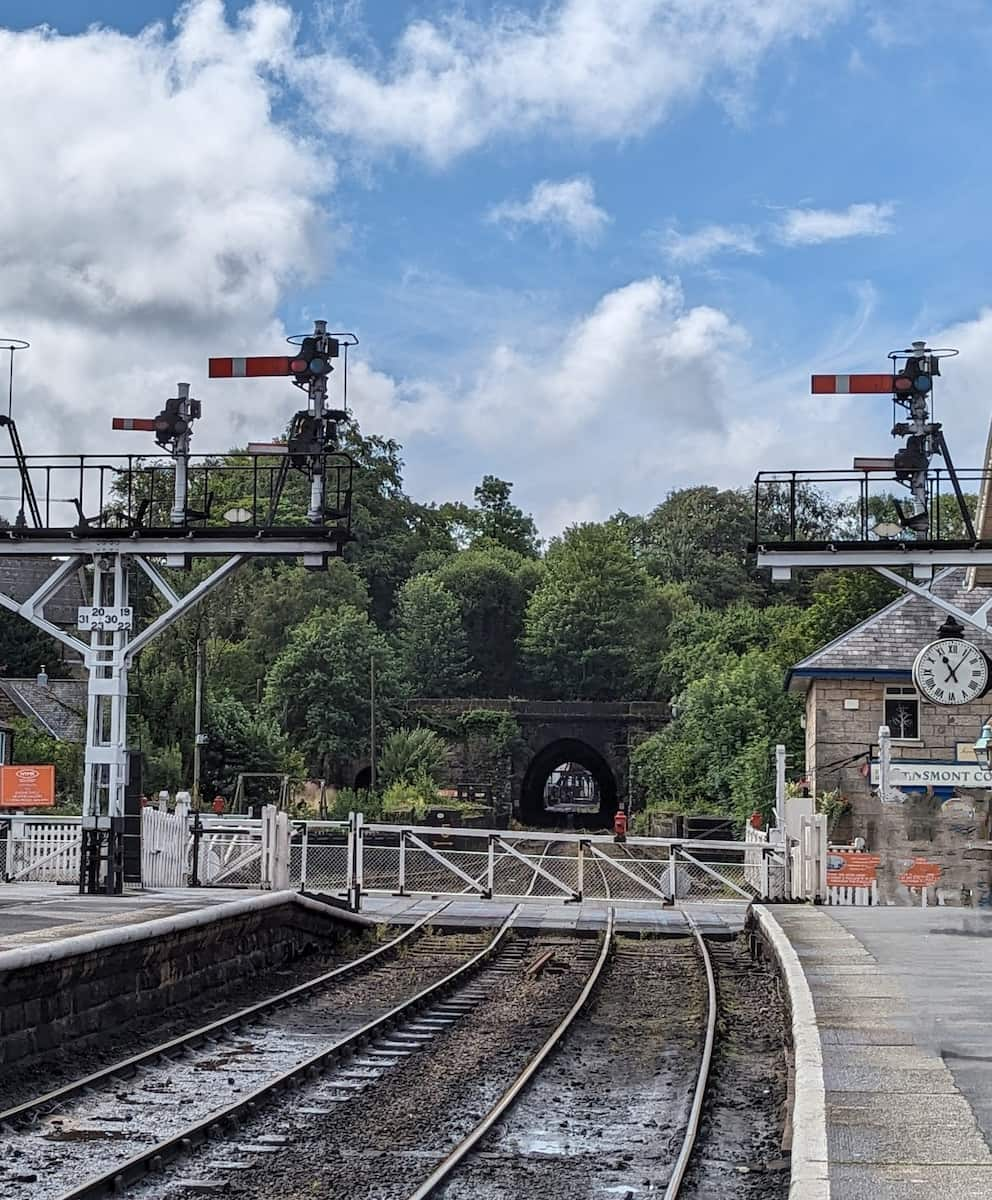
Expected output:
(568, 206)
(593, 68)
(153, 212)
(810, 226)
(704, 243)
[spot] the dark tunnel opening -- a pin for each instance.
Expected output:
(568, 784)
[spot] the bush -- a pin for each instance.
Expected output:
(409, 754)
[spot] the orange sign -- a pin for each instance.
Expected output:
(27, 787)
(849, 868)
(921, 874)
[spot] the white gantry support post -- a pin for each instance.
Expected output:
(884, 764)
(780, 788)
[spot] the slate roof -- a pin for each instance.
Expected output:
(59, 706)
(21, 577)
(887, 642)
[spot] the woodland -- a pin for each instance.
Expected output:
(467, 600)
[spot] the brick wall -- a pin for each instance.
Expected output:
(947, 829)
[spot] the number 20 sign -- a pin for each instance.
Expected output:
(107, 619)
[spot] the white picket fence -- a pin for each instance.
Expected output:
(164, 847)
(42, 850)
(806, 857)
(232, 853)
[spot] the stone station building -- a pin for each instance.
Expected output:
(862, 680)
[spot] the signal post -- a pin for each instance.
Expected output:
(145, 519)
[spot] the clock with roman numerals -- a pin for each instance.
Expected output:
(951, 671)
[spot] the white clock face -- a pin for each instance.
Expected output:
(951, 671)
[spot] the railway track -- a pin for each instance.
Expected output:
(195, 1086)
(526, 1153)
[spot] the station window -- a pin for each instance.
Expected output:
(902, 713)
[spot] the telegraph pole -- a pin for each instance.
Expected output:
(372, 722)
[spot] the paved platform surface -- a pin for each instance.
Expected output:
(903, 1001)
(32, 913)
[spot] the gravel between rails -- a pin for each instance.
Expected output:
(392, 1132)
(738, 1152)
(91, 1132)
(606, 1116)
(77, 1059)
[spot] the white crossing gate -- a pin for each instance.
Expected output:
(42, 850)
(165, 844)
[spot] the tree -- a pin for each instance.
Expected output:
(240, 741)
(698, 536)
(718, 755)
(841, 600)
(595, 623)
(319, 688)
(430, 639)
(410, 755)
(492, 586)
(502, 522)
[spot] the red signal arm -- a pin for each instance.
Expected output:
(249, 368)
(145, 423)
(860, 385)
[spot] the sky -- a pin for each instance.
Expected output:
(595, 247)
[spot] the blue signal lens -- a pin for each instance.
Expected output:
(922, 383)
(318, 366)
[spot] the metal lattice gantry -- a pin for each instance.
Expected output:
(929, 535)
(105, 516)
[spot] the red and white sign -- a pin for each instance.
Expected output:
(921, 874)
(27, 787)
(850, 868)
(851, 385)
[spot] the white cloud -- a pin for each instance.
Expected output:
(153, 213)
(704, 243)
(810, 226)
(568, 206)
(602, 69)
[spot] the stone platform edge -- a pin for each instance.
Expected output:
(20, 957)
(809, 1163)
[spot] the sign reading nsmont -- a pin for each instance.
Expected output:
(27, 787)
(936, 774)
(849, 868)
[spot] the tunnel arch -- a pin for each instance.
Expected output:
(532, 810)
(363, 779)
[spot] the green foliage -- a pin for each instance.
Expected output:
(499, 728)
(594, 625)
(430, 639)
(718, 754)
(492, 586)
(411, 754)
(841, 600)
(24, 649)
(242, 741)
(32, 745)
(410, 795)
(319, 686)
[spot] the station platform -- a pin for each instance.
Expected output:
(37, 913)
(894, 1064)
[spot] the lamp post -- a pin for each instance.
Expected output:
(983, 747)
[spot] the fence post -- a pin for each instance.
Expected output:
(581, 876)
(671, 872)
(402, 879)
(303, 855)
(280, 852)
(764, 870)
(780, 787)
(355, 821)
(491, 868)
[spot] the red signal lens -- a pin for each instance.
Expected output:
(298, 365)
(902, 383)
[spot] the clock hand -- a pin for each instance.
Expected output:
(952, 672)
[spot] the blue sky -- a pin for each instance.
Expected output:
(592, 247)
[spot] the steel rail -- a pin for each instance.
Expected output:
(126, 1067)
(455, 1156)
(228, 1118)
(695, 1113)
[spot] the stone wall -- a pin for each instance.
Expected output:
(946, 827)
(86, 989)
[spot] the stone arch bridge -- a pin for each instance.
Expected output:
(597, 736)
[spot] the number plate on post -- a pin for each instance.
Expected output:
(110, 620)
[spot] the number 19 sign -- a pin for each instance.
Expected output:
(107, 619)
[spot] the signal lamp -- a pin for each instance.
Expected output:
(902, 383)
(922, 383)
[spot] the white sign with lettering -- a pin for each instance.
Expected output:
(106, 618)
(936, 774)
